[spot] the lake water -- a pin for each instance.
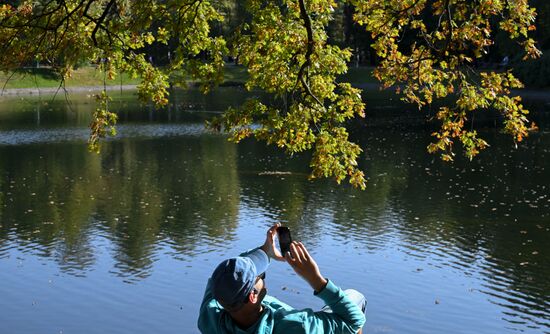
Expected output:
(124, 241)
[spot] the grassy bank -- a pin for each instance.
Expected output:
(46, 78)
(234, 75)
(90, 76)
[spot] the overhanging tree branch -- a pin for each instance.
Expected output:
(310, 48)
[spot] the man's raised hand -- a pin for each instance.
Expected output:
(269, 245)
(305, 266)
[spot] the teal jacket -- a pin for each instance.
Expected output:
(278, 317)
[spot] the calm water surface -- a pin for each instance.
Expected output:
(123, 242)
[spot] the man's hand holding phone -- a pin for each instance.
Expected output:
(269, 245)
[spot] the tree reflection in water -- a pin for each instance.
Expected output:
(138, 194)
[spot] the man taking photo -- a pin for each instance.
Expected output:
(236, 300)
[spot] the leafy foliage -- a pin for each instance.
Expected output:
(428, 47)
(287, 54)
(449, 36)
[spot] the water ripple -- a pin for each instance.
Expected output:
(5, 249)
(58, 135)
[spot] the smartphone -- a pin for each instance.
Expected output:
(284, 239)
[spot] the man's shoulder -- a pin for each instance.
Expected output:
(275, 304)
(286, 319)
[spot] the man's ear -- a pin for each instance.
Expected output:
(253, 297)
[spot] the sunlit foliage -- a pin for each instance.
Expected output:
(449, 36)
(428, 49)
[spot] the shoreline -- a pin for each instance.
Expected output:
(53, 90)
(531, 94)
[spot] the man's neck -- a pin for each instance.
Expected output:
(246, 319)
